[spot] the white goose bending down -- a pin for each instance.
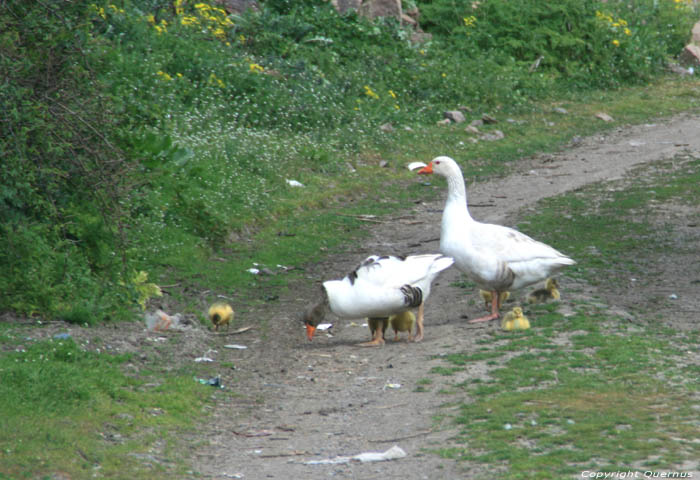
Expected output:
(495, 257)
(378, 288)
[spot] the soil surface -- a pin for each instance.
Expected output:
(297, 401)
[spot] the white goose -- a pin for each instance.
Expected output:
(495, 257)
(378, 288)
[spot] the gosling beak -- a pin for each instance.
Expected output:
(427, 170)
(310, 331)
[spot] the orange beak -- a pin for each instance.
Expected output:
(427, 170)
(310, 331)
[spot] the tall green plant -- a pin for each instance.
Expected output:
(62, 177)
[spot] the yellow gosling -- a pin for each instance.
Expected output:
(403, 322)
(549, 292)
(220, 313)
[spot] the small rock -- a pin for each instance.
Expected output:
(383, 163)
(507, 426)
(455, 116)
(464, 108)
(488, 118)
(476, 123)
(471, 129)
(387, 127)
(495, 135)
(604, 117)
(444, 122)
(673, 296)
(294, 183)
(560, 110)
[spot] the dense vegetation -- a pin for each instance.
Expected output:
(135, 134)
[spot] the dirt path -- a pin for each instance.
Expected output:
(299, 401)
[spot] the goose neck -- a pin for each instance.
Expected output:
(457, 195)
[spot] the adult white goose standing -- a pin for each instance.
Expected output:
(378, 288)
(495, 257)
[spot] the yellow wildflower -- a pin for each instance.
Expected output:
(255, 68)
(99, 10)
(393, 95)
(444, 75)
(622, 22)
(189, 20)
(370, 93)
(151, 19)
(178, 4)
(219, 33)
(214, 80)
(164, 76)
(616, 42)
(469, 21)
(628, 31)
(241, 37)
(397, 107)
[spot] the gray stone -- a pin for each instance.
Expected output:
(455, 115)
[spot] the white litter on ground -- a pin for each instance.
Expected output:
(394, 453)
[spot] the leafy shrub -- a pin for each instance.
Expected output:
(585, 43)
(62, 177)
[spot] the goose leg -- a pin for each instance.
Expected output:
(494, 310)
(419, 325)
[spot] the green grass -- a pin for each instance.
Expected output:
(607, 395)
(75, 412)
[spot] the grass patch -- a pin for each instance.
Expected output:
(73, 412)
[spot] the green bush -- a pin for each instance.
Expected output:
(61, 176)
(585, 44)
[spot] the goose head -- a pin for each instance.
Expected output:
(442, 165)
(551, 284)
(315, 315)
